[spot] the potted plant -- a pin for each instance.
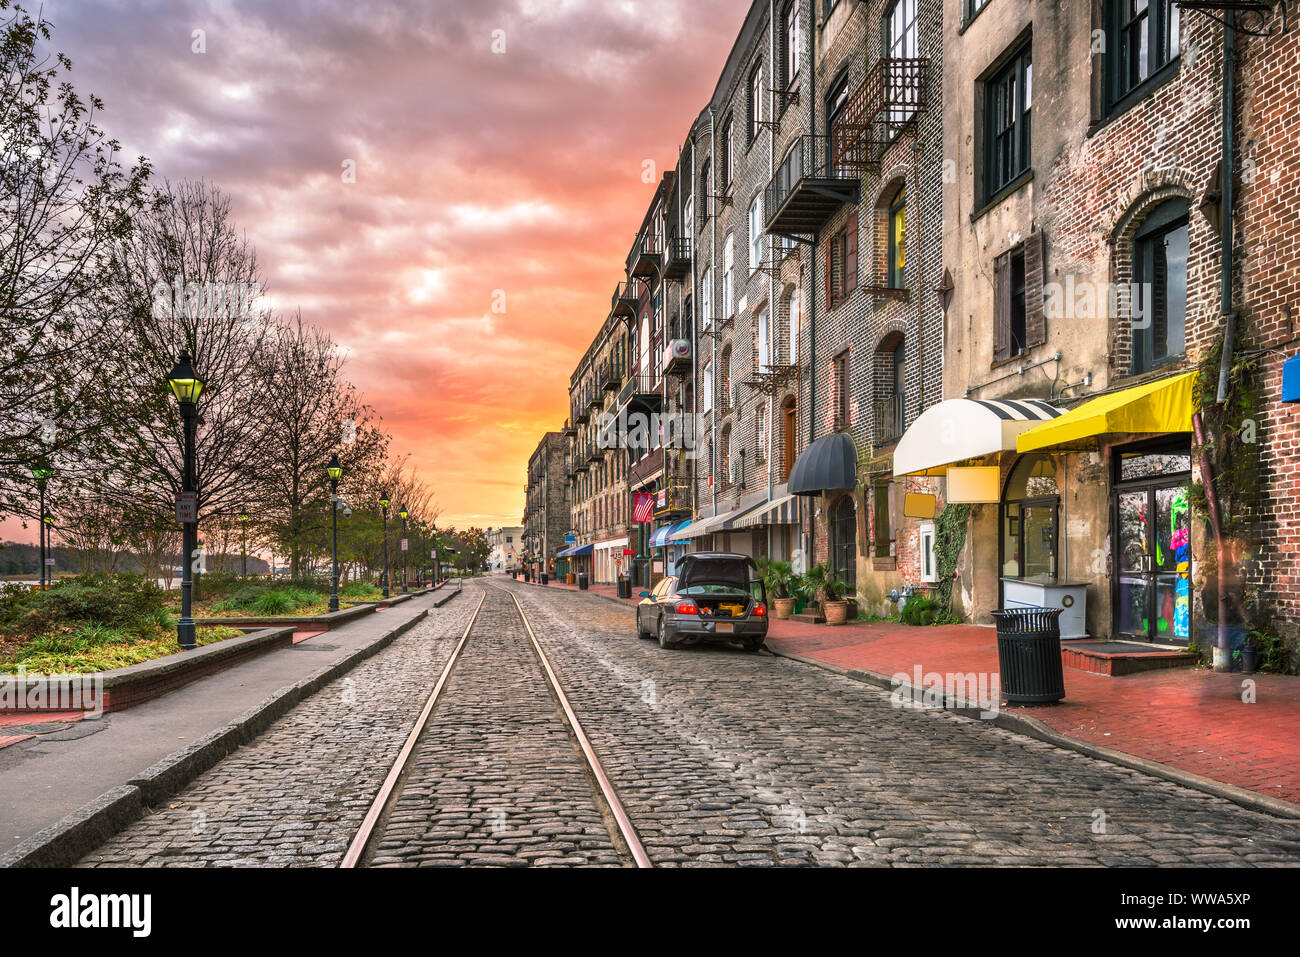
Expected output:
(835, 608)
(810, 585)
(779, 579)
(1250, 651)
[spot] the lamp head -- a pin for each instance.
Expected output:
(184, 381)
(334, 469)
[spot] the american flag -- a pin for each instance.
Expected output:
(645, 507)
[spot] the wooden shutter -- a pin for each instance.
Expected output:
(1035, 321)
(830, 273)
(851, 254)
(1002, 308)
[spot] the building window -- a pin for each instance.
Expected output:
(1008, 97)
(726, 165)
(897, 233)
(790, 44)
(704, 190)
(929, 564)
(763, 342)
(973, 7)
(842, 262)
(1159, 309)
(755, 101)
(760, 430)
(1141, 37)
(729, 276)
(1029, 520)
(843, 544)
(900, 30)
(706, 297)
(840, 383)
(1019, 317)
(756, 232)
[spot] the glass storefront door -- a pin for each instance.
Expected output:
(1153, 555)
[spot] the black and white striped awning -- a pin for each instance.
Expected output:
(958, 430)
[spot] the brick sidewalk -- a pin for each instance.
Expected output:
(1187, 718)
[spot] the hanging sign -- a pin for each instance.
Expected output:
(404, 544)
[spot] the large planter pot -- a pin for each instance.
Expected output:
(836, 612)
(784, 607)
(1249, 659)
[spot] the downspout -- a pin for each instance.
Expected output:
(771, 247)
(809, 559)
(713, 289)
(1222, 653)
(695, 341)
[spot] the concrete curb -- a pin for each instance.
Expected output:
(1034, 728)
(66, 841)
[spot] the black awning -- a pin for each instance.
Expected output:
(829, 463)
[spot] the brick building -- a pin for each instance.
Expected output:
(546, 509)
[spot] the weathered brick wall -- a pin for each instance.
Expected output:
(1269, 251)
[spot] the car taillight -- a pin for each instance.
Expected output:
(686, 608)
(760, 610)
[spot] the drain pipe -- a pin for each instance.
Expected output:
(1225, 218)
(1222, 646)
(810, 71)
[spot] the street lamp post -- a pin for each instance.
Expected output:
(187, 387)
(403, 513)
(335, 471)
(383, 505)
(424, 541)
(42, 473)
(243, 523)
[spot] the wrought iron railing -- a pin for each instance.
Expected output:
(810, 158)
(888, 414)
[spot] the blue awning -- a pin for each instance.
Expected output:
(663, 533)
(575, 551)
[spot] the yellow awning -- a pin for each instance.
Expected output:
(1165, 405)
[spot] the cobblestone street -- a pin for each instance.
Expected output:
(719, 757)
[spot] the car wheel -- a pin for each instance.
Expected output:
(754, 644)
(663, 637)
(641, 632)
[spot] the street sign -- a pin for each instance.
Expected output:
(49, 561)
(404, 544)
(570, 539)
(187, 507)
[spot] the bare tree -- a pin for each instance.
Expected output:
(311, 413)
(65, 202)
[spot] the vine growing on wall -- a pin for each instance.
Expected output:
(949, 540)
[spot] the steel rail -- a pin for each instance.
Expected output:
(358, 846)
(625, 827)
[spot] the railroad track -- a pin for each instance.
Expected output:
(517, 690)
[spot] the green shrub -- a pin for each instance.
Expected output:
(274, 603)
(128, 602)
(919, 610)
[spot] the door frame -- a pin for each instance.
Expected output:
(1149, 485)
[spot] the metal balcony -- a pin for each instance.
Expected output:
(595, 397)
(808, 189)
(627, 301)
(581, 414)
(677, 259)
(570, 427)
(640, 393)
(611, 376)
(888, 100)
(644, 260)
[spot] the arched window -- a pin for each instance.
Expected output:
(763, 342)
(1030, 506)
(729, 276)
(1159, 291)
(897, 249)
(792, 330)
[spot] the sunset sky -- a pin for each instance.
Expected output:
(475, 171)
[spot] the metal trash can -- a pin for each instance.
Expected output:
(1029, 655)
(582, 581)
(624, 587)
(544, 579)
